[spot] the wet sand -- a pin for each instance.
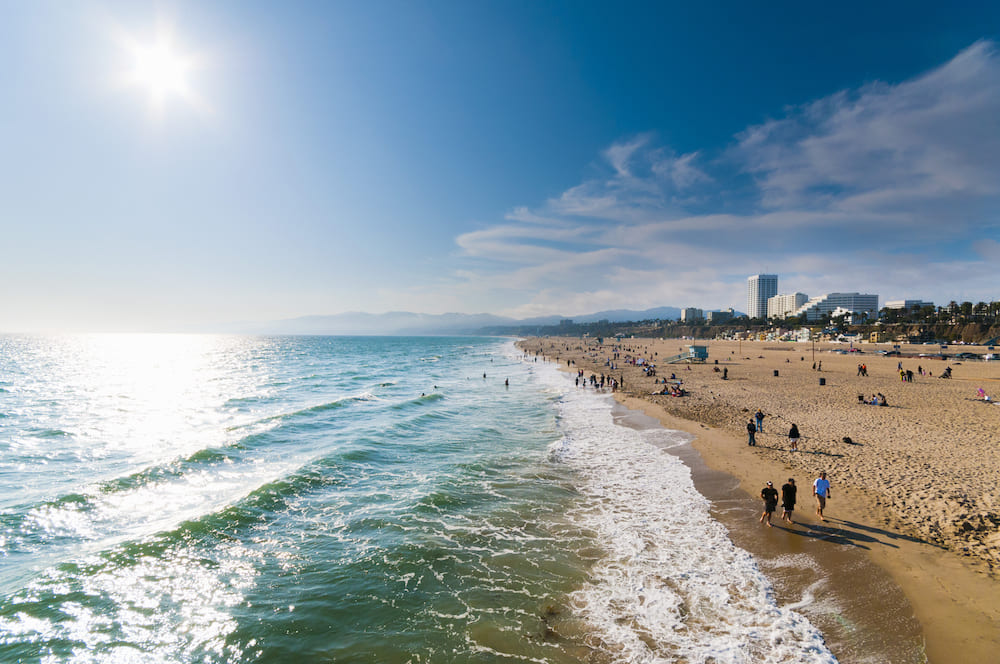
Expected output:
(815, 569)
(915, 494)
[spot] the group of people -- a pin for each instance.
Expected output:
(599, 382)
(672, 389)
(875, 400)
(789, 492)
(756, 426)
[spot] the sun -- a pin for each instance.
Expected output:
(160, 68)
(161, 71)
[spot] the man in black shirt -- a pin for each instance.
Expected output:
(788, 491)
(770, 497)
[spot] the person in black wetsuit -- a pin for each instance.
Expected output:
(788, 491)
(770, 497)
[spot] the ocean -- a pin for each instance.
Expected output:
(173, 498)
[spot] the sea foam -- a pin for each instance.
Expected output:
(671, 586)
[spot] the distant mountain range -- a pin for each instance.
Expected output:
(401, 323)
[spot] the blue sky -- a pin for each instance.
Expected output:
(517, 158)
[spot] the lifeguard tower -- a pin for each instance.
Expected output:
(694, 354)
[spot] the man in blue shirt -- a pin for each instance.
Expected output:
(821, 489)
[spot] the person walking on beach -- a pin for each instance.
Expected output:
(751, 434)
(788, 491)
(770, 497)
(759, 416)
(793, 437)
(821, 489)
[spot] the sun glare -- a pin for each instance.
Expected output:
(160, 68)
(161, 71)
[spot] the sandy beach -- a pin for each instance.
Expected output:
(917, 483)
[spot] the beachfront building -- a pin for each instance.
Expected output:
(780, 306)
(850, 317)
(691, 314)
(720, 316)
(759, 288)
(907, 305)
(857, 303)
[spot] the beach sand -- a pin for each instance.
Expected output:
(916, 490)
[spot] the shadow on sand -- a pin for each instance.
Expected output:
(839, 531)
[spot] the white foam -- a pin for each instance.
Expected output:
(672, 585)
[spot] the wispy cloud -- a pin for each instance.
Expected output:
(884, 146)
(887, 188)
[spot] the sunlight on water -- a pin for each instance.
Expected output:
(178, 498)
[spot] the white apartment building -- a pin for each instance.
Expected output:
(691, 314)
(780, 306)
(760, 287)
(815, 308)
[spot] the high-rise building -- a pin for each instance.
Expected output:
(691, 314)
(780, 306)
(759, 288)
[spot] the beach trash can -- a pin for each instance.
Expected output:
(775, 372)
(822, 381)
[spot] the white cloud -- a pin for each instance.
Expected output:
(988, 249)
(937, 135)
(620, 154)
(888, 188)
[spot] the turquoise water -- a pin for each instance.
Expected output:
(270, 499)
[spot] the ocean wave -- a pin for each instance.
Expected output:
(325, 407)
(423, 399)
(670, 585)
(49, 433)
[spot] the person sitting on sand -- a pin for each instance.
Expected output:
(882, 401)
(793, 438)
(770, 497)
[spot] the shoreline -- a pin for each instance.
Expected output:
(814, 571)
(955, 598)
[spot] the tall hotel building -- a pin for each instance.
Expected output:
(759, 288)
